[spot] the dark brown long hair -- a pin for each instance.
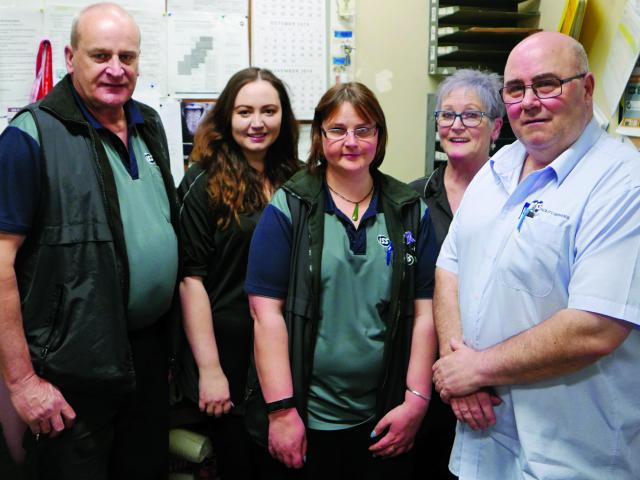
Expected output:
(234, 186)
(365, 103)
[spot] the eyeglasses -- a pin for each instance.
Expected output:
(469, 118)
(361, 133)
(547, 88)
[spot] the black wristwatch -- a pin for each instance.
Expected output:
(283, 404)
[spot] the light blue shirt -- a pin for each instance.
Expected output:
(578, 248)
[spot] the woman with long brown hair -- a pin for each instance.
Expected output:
(244, 149)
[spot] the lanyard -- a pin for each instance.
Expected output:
(43, 82)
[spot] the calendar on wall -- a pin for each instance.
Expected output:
(289, 37)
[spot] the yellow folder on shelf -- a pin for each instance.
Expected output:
(572, 16)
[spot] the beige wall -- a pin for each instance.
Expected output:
(391, 42)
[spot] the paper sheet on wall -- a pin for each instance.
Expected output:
(20, 35)
(204, 51)
(169, 110)
(58, 19)
(148, 6)
(23, 3)
(622, 57)
(290, 38)
(225, 7)
(153, 51)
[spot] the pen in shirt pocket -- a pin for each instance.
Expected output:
(526, 208)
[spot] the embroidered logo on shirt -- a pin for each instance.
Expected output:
(383, 241)
(149, 158)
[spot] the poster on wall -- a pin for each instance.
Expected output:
(222, 7)
(204, 51)
(289, 37)
(20, 33)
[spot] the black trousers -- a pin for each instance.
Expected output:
(336, 455)
(233, 448)
(114, 437)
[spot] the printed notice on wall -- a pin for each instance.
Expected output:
(289, 37)
(19, 39)
(224, 7)
(204, 51)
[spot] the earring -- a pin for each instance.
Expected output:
(493, 146)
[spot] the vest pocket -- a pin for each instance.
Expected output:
(76, 233)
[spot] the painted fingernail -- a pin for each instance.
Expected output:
(374, 434)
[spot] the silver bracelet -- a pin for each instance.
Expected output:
(424, 397)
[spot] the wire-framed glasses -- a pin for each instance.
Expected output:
(339, 133)
(469, 118)
(546, 88)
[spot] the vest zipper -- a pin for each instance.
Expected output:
(54, 323)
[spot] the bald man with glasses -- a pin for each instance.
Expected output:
(537, 295)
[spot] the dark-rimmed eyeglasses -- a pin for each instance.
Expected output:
(546, 88)
(469, 118)
(361, 133)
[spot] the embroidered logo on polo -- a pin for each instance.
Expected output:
(149, 158)
(384, 241)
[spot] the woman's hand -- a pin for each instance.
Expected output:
(287, 438)
(214, 397)
(402, 423)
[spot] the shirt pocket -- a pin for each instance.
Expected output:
(531, 257)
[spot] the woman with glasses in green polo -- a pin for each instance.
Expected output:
(340, 279)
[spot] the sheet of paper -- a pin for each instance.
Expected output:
(204, 51)
(169, 110)
(289, 37)
(622, 57)
(57, 28)
(58, 19)
(144, 5)
(153, 51)
(20, 35)
(223, 7)
(22, 3)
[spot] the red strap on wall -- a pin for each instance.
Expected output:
(43, 82)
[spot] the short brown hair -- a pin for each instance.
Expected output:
(364, 102)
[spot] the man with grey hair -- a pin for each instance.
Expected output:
(88, 264)
(537, 287)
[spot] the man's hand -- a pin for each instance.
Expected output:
(476, 409)
(402, 423)
(287, 438)
(455, 375)
(214, 397)
(41, 406)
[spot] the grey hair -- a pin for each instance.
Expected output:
(76, 20)
(582, 61)
(485, 84)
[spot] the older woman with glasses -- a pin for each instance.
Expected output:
(340, 280)
(469, 114)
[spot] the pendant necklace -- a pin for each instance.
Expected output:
(354, 215)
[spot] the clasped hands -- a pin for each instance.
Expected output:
(458, 381)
